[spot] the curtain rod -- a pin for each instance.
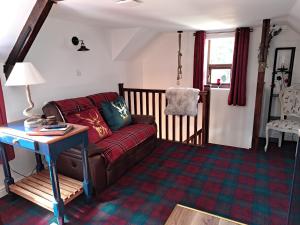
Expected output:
(223, 32)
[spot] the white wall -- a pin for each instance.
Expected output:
(68, 73)
(229, 125)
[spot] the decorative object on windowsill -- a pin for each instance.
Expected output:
(274, 31)
(76, 41)
(179, 68)
(219, 82)
(25, 74)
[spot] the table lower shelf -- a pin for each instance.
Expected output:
(37, 189)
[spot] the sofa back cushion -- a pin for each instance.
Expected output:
(82, 111)
(98, 99)
(73, 105)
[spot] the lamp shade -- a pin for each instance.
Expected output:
(24, 73)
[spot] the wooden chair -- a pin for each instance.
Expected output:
(290, 110)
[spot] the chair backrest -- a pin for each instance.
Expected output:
(290, 102)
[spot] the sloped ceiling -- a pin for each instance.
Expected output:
(160, 15)
(126, 43)
(177, 14)
(293, 18)
(13, 15)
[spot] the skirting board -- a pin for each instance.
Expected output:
(16, 178)
(2, 191)
(2, 187)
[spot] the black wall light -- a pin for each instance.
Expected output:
(76, 41)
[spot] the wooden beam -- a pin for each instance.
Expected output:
(28, 34)
(263, 55)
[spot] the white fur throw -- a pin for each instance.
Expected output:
(182, 101)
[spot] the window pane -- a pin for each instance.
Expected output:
(221, 50)
(223, 74)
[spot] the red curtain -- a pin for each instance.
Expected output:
(3, 121)
(237, 94)
(200, 37)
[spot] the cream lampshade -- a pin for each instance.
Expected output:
(25, 74)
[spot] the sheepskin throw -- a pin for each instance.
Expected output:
(182, 101)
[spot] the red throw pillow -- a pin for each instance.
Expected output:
(98, 129)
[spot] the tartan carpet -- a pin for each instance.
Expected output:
(243, 185)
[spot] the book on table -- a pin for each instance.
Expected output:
(42, 131)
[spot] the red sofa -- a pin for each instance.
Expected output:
(111, 157)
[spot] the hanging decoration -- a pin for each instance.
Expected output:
(179, 68)
(264, 50)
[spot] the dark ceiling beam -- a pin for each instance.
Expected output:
(28, 34)
(262, 58)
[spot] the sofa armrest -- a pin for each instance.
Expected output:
(142, 119)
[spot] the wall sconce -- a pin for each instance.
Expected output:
(76, 41)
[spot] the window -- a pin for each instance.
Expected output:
(219, 60)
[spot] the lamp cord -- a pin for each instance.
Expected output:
(22, 175)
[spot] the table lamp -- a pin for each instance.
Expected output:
(25, 74)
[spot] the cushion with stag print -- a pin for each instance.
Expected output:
(98, 129)
(116, 113)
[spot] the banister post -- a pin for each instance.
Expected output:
(121, 89)
(205, 115)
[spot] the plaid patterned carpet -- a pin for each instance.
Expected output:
(247, 186)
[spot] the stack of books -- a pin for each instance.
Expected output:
(51, 130)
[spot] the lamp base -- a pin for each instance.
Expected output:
(33, 122)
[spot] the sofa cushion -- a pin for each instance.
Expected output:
(82, 111)
(125, 139)
(98, 129)
(73, 105)
(116, 113)
(97, 99)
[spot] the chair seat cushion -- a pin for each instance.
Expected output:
(287, 125)
(125, 139)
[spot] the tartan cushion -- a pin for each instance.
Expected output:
(98, 129)
(125, 139)
(82, 111)
(97, 99)
(73, 105)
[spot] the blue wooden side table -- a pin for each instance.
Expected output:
(44, 188)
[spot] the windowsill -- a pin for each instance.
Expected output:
(220, 89)
(222, 86)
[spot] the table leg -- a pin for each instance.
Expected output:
(39, 164)
(58, 204)
(87, 185)
(8, 178)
